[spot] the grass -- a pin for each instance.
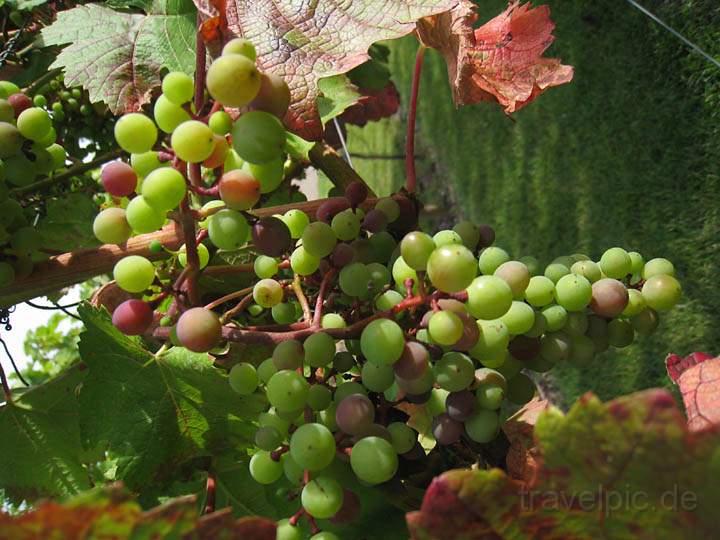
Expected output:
(628, 155)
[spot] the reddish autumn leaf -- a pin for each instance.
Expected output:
(374, 105)
(519, 429)
(500, 61)
(629, 468)
(215, 27)
(698, 376)
(306, 41)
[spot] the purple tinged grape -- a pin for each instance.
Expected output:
(609, 298)
(271, 236)
(133, 317)
(414, 361)
(375, 221)
(198, 329)
(356, 193)
(524, 348)
(119, 179)
(375, 430)
(355, 414)
(330, 208)
(446, 430)
(350, 509)
(342, 255)
(487, 236)
(470, 335)
(460, 405)
(419, 399)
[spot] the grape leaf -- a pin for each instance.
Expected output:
(40, 450)
(698, 376)
(155, 412)
(305, 42)
(521, 461)
(373, 105)
(421, 421)
(337, 93)
(118, 56)
(500, 61)
(68, 223)
(626, 469)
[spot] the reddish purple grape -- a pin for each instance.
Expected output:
(375, 221)
(19, 102)
(525, 348)
(487, 236)
(419, 399)
(271, 236)
(133, 317)
(355, 414)
(356, 193)
(364, 251)
(413, 362)
(350, 509)
(446, 430)
(342, 255)
(327, 210)
(460, 405)
(609, 298)
(471, 333)
(198, 329)
(119, 179)
(375, 430)
(407, 220)
(273, 96)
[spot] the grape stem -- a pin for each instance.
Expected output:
(210, 493)
(301, 298)
(275, 455)
(322, 293)
(412, 111)
(241, 305)
(209, 192)
(5, 385)
(231, 296)
(187, 224)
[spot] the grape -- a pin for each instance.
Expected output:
(239, 190)
(264, 469)
(446, 430)
(240, 46)
(7, 113)
(460, 405)
(267, 293)
(219, 153)
(521, 389)
(332, 320)
(389, 207)
(388, 300)
(346, 225)
(609, 298)
(144, 163)
(636, 262)
(34, 123)
(354, 279)
(489, 297)
(286, 531)
(330, 208)
(302, 263)
(203, 255)
(318, 239)
(538, 327)
(312, 446)
(524, 348)
(469, 233)
(273, 96)
(379, 276)
(220, 122)
(111, 226)
(319, 349)
(142, 217)
(178, 87)
(512, 366)
(487, 236)
(59, 156)
(615, 263)
(645, 322)
(233, 80)
(582, 350)
(555, 317)
(10, 140)
(636, 303)
(519, 319)
(620, 333)
(445, 327)
(377, 377)
(243, 378)
(356, 193)
(577, 323)
(490, 395)
(373, 460)
(598, 332)
(446, 237)
(133, 317)
(267, 438)
(233, 161)
(135, 133)
(258, 137)
(382, 247)
(413, 362)
(492, 344)
(163, 189)
(354, 413)
(322, 497)
(271, 236)
(193, 141)
(319, 397)
(661, 292)
(588, 269)
(451, 268)
(287, 390)
(265, 267)
(416, 248)
(134, 273)
(266, 369)
(555, 271)
(491, 258)
(228, 229)
(573, 292)
(454, 371)
(515, 274)
(293, 471)
(19, 102)
(655, 267)
(555, 346)
(348, 388)
(482, 426)
(198, 329)
(8, 88)
(119, 179)
(382, 341)
(325, 535)
(403, 437)
(283, 313)
(375, 221)
(168, 115)
(7, 274)
(296, 221)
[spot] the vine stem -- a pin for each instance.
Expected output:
(301, 298)
(5, 385)
(210, 489)
(412, 111)
(322, 293)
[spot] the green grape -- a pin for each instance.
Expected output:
(582, 350)
(382, 341)
(233, 80)
(615, 263)
(588, 269)
(164, 189)
(243, 378)
(379, 276)
(348, 388)
(258, 137)
(344, 361)
(302, 263)
(318, 239)
(521, 389)
(489, 297)
(538, 328)
(388, 300)
(168, 115)
(382, 246)
(555, 317)
(482, 426)
(489, 395)
(332, 320)
(540, 291)
(234, 162)
(193, 141)
(178, 87)
(446, 237)
(39, 100)
(515, 274)
(645, 322)
(228, 229)
(8, 88)
(271, 418)
(403, 437)
(454, 371)
(312, 446)
(267, 438)
(34, 123)
(240, 46)
(451, 268)
(59, 156)
(43, 160)
(7, 274)
(492, 343)
(510, 368)
(491, 258)
(86, 110)
(469, 232)
(135, 133)
(265, 267)
(573, 292)
(286, 531)
(377, 377)
(10, 140)
(325, 535)
(345, 225)
(327, 417)
(156, 247)
(264, 469)
(555, 271)
(373, 460)
(658, 266)
(287, 390)
(402, 272)
(555, 346)
(296, 220)
(142, 217)
(134, 273)
(49, 138)
(270, 174)
(319, 397)
(293, 472)
(319, 349)
(445, 327)
(416, 248)
(636, 262)
(267, 293)
(111, 226)
(355, 279)
(636, 303)
(7, 113)
(620, 333)
(322, 497)
(203, 255)
(566, 260)
(389, 207)
(661, 292)
(144, 163)
(418, 386)
(577, 323)
(519, 318)
(283, 313)
(220, 122)
(266, 370)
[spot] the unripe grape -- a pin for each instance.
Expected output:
(382, 341)
(270, 173)
(133, 317)
(198, 329)
(555, 271)
(322, 497)
(615, 263)
(573, 292)
(416, 248)
(233, 80)
(119, 179)
(135, 133)
(228, 229)
(609, 298)
(220, 122)
(178, 87)
(239, 190)
(193, 141)
(373, 460)
(134, 273)
(296, 221)
(656, 267)
(445, 327)
(451, 268)
(111, 226)
(243, 378)
(661, 292)
(203, 256)
(7, 113)
(34, 123)
(491, 258)
(168, 115)
(164, 189)
(142, 217)
(273, 96)
(240, 46)
(10, 140)
(469, 232)
(267, 292)
(219, 153)
(588, 269)
(144, 163)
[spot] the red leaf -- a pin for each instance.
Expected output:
(500, 61)
(215, 27)
(373, 106)
(521, 460)
(698, 376)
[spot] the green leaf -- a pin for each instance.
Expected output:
(336, 94)
(155, 412)
(118, 56)
(297, 147)
(40, 450)
(29, 5)
(68, 223)
(626, 469)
